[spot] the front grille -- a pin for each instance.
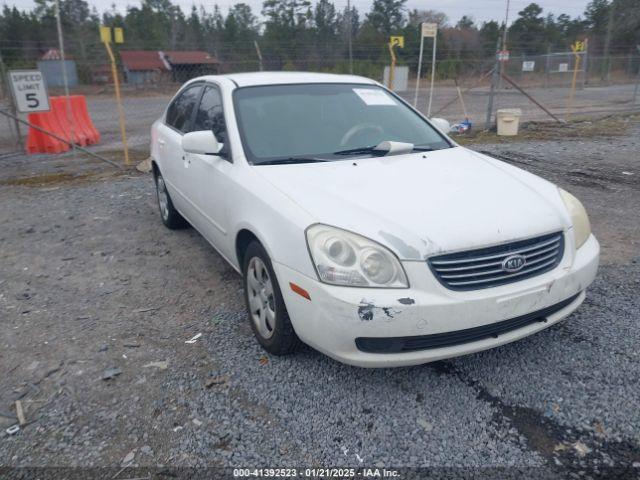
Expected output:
(449, 339)
(482, 268)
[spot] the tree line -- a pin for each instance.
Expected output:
(296, 34)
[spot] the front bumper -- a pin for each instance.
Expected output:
(336, 316)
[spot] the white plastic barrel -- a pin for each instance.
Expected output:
(508, 121)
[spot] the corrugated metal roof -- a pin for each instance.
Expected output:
(142, 60)
(162, 60)
(190, 57)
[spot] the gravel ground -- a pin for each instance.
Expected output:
(91, 282)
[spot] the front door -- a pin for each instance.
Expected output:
(175, 165)
(213, 172)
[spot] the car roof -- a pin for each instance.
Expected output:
(251, 79)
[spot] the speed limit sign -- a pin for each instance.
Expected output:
(29, 90)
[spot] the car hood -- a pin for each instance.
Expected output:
(423, 204)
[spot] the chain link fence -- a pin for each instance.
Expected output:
(605, 85)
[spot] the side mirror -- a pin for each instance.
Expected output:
(204, 143)
(441, 124)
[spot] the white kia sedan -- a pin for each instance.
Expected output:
(359, 227)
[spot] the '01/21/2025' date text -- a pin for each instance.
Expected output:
(337, 473)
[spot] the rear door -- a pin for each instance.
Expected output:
(213, 171)
(175, 165)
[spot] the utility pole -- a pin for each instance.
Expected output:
(494, 83)
(606, 68)
(65, 80)
(255, 44)
(504, 40)
(61, 48)
(349, 27)
(506, 23)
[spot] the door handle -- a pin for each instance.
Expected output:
(161, 143)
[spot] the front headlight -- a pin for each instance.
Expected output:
(579, 218)
(345, 258)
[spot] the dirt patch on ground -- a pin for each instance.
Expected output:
(45, 171)
(609, 126)
(66, 178)
(41, 180)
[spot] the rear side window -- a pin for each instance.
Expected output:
(210, 115)
(180, 111)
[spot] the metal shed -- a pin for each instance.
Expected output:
(51, 65)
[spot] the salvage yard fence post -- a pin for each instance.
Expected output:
(105, 37)
(6, 97)
(635, 90)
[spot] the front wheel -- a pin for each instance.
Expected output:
(267, 313)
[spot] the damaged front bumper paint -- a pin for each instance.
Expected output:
(335, 316)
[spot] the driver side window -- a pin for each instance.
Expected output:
(210, 115)
(180, 112)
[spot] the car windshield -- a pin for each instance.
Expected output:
(325, 122)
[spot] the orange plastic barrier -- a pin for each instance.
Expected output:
(81, 113)
(73, 124)
(64, 116)
(39, 142)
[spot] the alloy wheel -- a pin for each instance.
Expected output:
(261, 298)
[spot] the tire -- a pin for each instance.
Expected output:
(169, 215)
(265, 306)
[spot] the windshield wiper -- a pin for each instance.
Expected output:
(360, 150)
(291, 160)
(375, 149)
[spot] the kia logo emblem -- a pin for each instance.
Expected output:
(513, 263)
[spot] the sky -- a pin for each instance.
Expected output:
(479, 10)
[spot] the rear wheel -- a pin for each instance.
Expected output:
(170, 216)
(267, 313)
